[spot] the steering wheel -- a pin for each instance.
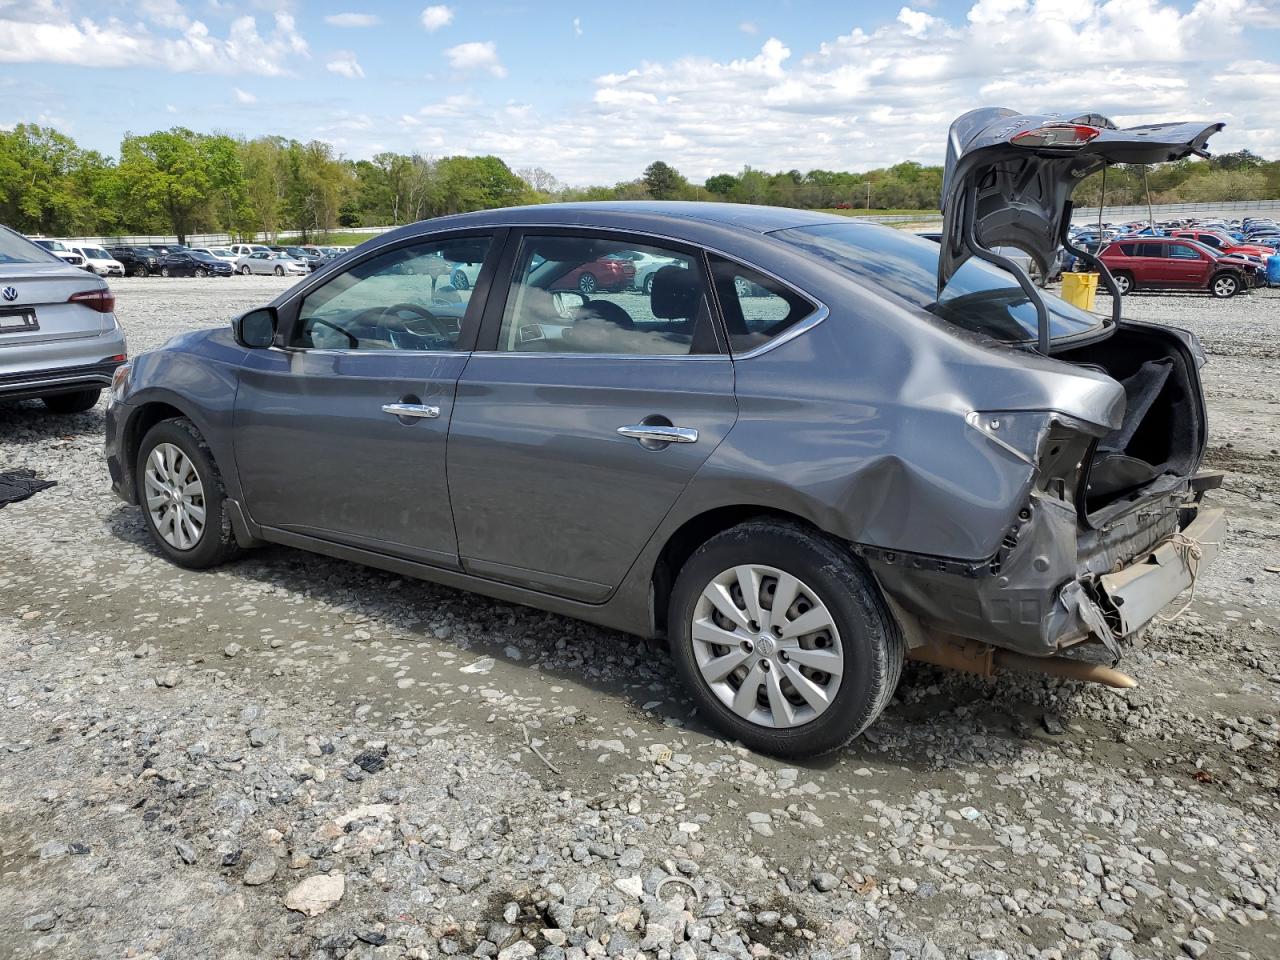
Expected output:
(426, 324)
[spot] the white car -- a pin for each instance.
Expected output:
(62, 252)
(462, 276)
(646, 266)
(269, 261)
(239, 250)
(224, 254)
(99, 261)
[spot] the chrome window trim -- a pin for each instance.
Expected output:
(819, 313)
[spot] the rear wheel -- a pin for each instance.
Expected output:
(182, 496)
(459, 280)
(1224, 285)
(1124, 283)
(279, 271)
(648, 284)
(139, 271)
(587, 283)
(783, 638)
(77, 402)
(164, 272)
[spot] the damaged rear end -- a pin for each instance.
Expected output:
(1112, 526)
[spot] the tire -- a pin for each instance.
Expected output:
(279, 271)
(1224, 286)
(216, 542)
(244, 271)
(1124, 283)
(77, 402)
(742, 287)
(164, 272)
(862, 634)
(459, 280)
(647, 287)
(201, 272)
(587, 283)
(140, 271)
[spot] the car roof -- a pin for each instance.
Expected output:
(630, 214)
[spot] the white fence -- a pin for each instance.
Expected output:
(208, 239)
(1228, 209)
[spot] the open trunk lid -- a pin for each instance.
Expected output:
(1009, 178)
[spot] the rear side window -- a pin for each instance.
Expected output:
(1149, 250)
(756, 308)
(1123, 249)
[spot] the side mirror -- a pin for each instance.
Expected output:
(255, 329)
(566, 301)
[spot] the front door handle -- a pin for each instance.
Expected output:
(656, 433)
(418, 410)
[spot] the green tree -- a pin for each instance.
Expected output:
(180, 179)
(664, 181)
(721, 184)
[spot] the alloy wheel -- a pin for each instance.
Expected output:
(1224, 287)
(587, 283)
(174, 496)
(1122, 284)
(767, 646)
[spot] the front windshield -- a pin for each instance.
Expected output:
(96, 253)
(979, 296)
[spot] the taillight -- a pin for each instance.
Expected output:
(101, 299)
(1056, 135)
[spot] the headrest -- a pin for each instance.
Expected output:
(675, 294)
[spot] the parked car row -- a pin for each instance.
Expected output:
(179, 260)
(1223, 258)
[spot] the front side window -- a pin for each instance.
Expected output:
(756, 308)
(1180, 251)
(399, 300)
(581, 295)
(979, 297)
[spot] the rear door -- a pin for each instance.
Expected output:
(579, 420)
(341, 427)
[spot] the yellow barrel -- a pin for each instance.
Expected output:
(1079, 289)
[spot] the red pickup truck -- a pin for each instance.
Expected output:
(1153, 263)
(1224, 244)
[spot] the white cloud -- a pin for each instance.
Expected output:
(476, 55)
(435, 17)
(886, 91)
(345, 64)
(45, 33)
(353, 19)
(746, 26)
(244, 96)
(577, 26)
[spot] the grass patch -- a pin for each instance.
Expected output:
(334, 239)
(923, 214)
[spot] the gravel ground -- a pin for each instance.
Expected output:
(293, 756)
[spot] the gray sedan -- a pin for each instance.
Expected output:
(271, 261)
(796, 488)
(59, 337)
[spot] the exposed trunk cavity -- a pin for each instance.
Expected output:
(1162, 439)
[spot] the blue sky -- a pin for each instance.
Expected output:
(593, 92)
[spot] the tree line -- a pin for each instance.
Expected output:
(182, 182)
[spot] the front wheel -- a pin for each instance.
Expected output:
(76, 402)
(1224, 286)
(244, 271)
(783, 639)
(279, 271)
(164, 272)
(182, 496)
(139, 271)
(648, 285)
(459, 280)
(1124, 283)
(201, 272)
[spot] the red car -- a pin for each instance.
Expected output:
(1224, 244)
(609, 273)
(1154, 263)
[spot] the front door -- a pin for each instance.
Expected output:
(1186, 265)
(577, 428)
(341, 428)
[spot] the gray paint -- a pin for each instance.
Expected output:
(860, 425)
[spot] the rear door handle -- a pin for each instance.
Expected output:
(655, 433)
(420, 410)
